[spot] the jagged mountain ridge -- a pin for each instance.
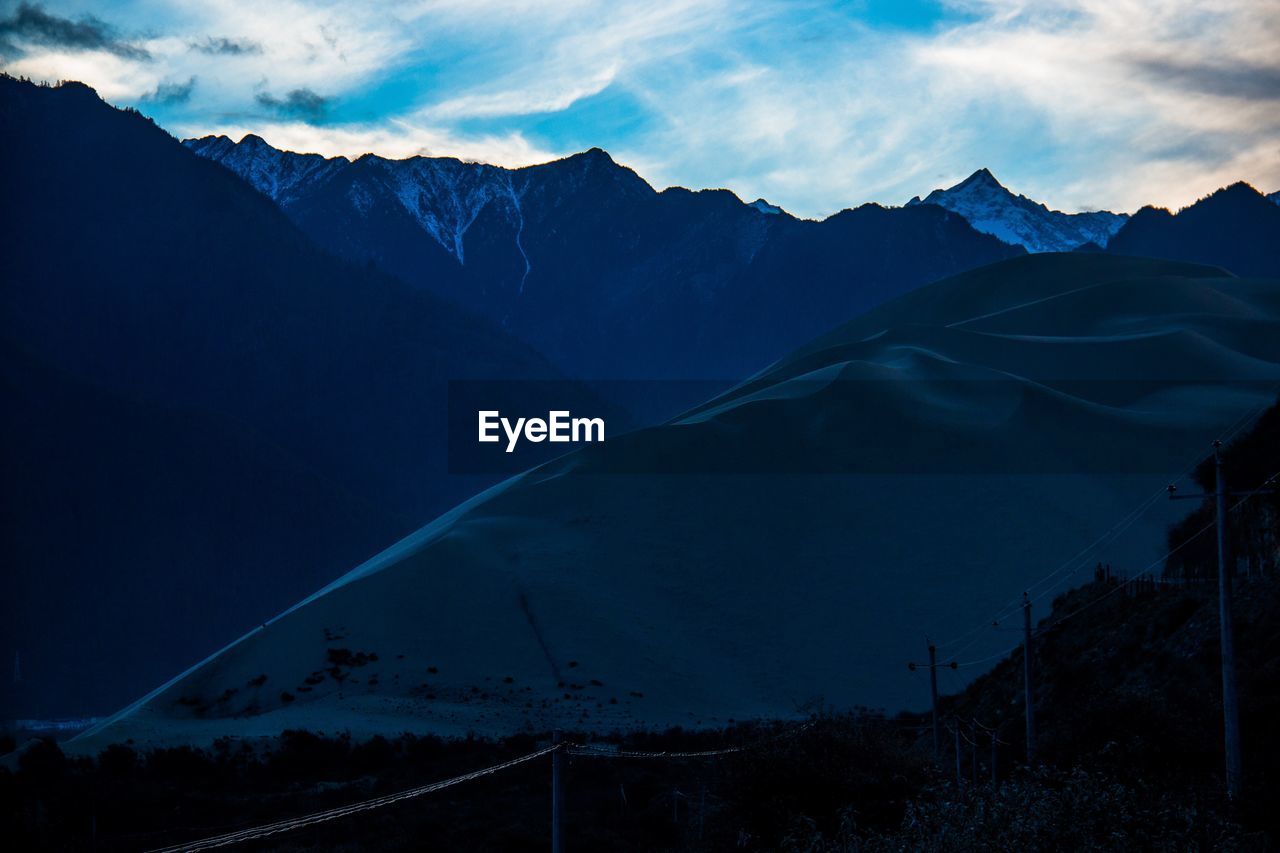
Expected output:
(786, 544)
(608, 277)
(992, 209)
(1236, 227)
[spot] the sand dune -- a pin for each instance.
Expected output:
(789, 543)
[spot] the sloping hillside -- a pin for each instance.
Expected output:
(789, 543)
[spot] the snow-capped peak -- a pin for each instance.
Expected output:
(981, 179)
(992, 209)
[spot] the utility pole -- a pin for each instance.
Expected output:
(933, 696)
(557, 794)
(1230, 694)
(973, 735)
(959, 773)
(1230, 697)
(1028, 691)
(995, 739)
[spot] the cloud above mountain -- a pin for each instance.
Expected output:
(814, 105)
(301, 103)
(32, 26)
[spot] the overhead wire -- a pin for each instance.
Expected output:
(266, 830)
(1081, 557)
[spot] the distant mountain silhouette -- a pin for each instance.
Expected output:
(1016, 219)
(206, 416)
(1235, 228)
(609, 278)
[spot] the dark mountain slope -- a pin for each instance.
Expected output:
(1236, 228)
(131, 265)
(135, 534)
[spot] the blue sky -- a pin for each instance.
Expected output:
(815, 106)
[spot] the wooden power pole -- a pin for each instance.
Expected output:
(1027, 683)
(973, 734)
(1230, 693)
(557, 795)
(1230, 696)
(959, 769)
(933, 696)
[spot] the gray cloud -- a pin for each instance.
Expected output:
(171, 93)
(297, 103)
(1234, 80)
(32, 25)
(227, 47)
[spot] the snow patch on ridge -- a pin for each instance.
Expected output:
(275, 173)
(519, 214)
(445, 196)
(992, 209)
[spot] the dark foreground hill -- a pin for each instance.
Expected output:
(205, 416)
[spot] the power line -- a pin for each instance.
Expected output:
(601, 751)
(1011, 607)
(991, 657)
(266, 830)
(594, 751)
(1159, 560)
(1120, 527)
(1120, 586)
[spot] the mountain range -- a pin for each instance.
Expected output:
(610, 279)
(673, 256)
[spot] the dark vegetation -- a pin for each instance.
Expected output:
(1129, 738)
(1128, 709)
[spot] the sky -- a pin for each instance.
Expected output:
(814, 106)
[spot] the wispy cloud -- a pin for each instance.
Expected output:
(171, 92)
(298, 103)
(813, 105)
(226, 46)
(31, 26)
